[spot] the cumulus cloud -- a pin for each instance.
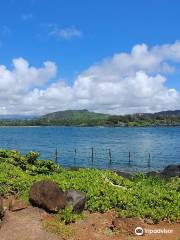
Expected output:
(18, 83)
(124, 83)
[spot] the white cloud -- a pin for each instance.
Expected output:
(65, 33)
(125, 83)
(18, 83)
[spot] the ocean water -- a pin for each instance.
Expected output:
(149, 148)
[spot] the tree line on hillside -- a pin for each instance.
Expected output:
(112, 121)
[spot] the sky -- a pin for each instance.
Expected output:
(110, 56)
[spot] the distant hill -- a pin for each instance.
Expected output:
(74, 115)
(85, 114)
(175, 113)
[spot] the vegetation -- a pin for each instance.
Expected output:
(141, 196)
(67, 216)
(57, 227)
(74, 115)
(86, 118)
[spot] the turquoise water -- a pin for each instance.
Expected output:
(163, 145)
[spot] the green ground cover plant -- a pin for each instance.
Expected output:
(142, 196)
(57, 227)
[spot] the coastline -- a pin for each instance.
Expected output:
(89, 126)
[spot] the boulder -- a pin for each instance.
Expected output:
(171, 171)
(47, 195)
(76, 200)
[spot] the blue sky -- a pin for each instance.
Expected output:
(107, 27)
(78, 34)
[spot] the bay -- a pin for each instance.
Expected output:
(126, 149)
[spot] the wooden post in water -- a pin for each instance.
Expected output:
(129, 158)
(75, 151)
(56, 155)
(110, 156)
(149, 161)
(92, 155)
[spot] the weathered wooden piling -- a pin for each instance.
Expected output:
(110, 156)
(149, 160)
(92, 155)
(129, 158)
(56, 155)
(75, 152)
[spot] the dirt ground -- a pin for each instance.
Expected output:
(100, 227)
(27, 224)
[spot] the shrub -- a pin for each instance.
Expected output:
(67, 216)
(32, 157)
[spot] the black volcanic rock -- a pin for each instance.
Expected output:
(76, 200)
(171, 171)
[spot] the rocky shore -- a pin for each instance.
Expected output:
(169, 171)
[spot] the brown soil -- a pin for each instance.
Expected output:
(98, 226)
(27, 224)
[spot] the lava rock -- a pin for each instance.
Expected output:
(47, 195)
(171, 171)
(76, 200)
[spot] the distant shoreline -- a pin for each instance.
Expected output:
(64, 126)
(85, 118)
(96, 126)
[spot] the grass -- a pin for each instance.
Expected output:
(142, 196)
(58, 228)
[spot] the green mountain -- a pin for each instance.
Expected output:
(74, 115)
